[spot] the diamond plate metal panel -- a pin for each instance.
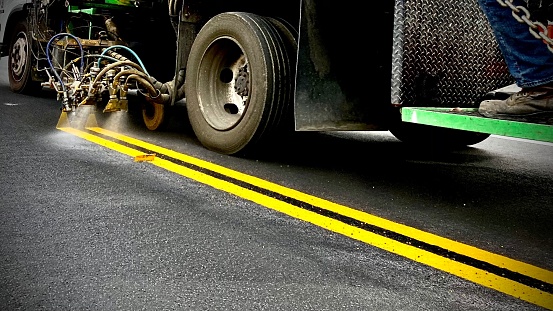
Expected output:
(444, 54)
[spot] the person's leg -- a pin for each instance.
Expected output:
(529, 60)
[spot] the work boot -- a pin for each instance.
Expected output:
(527, 102)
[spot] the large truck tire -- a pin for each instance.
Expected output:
(238, 81)
(20, 60)
(436, 137)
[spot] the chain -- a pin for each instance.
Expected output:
(537, 29)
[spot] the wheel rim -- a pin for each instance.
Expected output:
(238, 83)
(153, 115)
(223, 91)
(18, 56)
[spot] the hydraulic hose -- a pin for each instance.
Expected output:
(48, 58)
(129, 50)
(167, 87)
(153, 93)
(136, 75)
(112, 65)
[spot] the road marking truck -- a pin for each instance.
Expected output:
(252, 72)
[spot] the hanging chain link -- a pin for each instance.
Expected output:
(537, 29)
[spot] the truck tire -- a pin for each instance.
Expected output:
(436, 137)
(20, 60)
(238, 82)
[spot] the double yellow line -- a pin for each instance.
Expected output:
(512, 277)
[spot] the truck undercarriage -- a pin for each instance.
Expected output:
(252, 72)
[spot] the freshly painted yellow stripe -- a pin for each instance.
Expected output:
(473, 252)
(470, 273)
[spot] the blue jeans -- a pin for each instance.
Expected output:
(529, 60)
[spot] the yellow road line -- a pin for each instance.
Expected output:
(462, 270)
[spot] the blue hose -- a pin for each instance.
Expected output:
(50, 61)
(128, 49)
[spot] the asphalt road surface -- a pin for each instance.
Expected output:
(83, 226)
